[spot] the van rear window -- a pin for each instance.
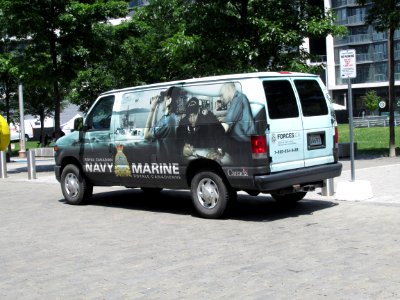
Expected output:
(280, 99)
(312, 99)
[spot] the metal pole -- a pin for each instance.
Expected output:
(328, 187)
(3, 164)
(351, 125)
(22, 148)
(31, 165)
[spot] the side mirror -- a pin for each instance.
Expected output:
(78, 124)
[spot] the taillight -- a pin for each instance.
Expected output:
(259, 146)
(336, 137)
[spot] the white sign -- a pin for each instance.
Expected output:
(348, 63)
(382, 104)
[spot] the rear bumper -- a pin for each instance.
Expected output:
(286, 179)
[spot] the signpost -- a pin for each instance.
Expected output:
(361, 189)
(348, 70)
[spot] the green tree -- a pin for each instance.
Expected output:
(58, 33)
(175, 39)
(8, 70)
(117, 60)
(384, 15)
(371, 101)
(199, 38)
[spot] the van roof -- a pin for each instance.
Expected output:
(215, 78)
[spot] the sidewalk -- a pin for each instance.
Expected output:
(383, 173)
(17, 169)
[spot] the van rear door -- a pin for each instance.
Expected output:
(317, 123)
(285, 136)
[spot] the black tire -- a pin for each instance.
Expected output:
(210, 194)
(151, 191)
(289, 198)
(74, 185)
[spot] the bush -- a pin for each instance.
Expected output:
(371, 101)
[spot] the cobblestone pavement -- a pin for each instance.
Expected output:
(124, 246)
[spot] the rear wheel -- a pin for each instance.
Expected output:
(74, 185)
(289, 198)
(210, 194)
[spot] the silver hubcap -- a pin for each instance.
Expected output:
(207, 193)
(71, 185)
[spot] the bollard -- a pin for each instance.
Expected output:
(328, 188)
(3, 165)
(31, 165)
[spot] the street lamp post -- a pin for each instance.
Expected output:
(22, 151)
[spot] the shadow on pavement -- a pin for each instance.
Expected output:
(39, 168)
(263, 208)
(248, 208)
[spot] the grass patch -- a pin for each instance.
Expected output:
(28, 145)
(370, 141)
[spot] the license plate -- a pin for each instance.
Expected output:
(315, 140)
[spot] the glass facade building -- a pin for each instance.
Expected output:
(371, 56)
(138, 3)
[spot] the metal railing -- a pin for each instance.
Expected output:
(378, 121)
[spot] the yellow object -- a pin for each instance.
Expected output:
(4, 134)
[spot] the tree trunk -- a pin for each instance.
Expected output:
(392, 140)
(42, 135)
(56, 88)
(8, 98)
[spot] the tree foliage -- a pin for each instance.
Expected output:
(76, 54)
(198, 38)
(371, 100)
(8, 70)
(57, 34)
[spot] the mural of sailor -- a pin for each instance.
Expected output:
(200, 129)
(238, 121)
(163, 130)
(182, 123)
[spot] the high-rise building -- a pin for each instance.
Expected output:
(137, 3)
(371, 56)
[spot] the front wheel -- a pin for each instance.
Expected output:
(210, 194)
(74, 185)
(289, 198)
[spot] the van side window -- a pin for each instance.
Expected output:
(312, 99)
(280, 99)
(100, 116)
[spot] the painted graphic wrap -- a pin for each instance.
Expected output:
(121, 165)
(155, 131)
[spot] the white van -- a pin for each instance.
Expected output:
(259, 132)
(15, 131)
